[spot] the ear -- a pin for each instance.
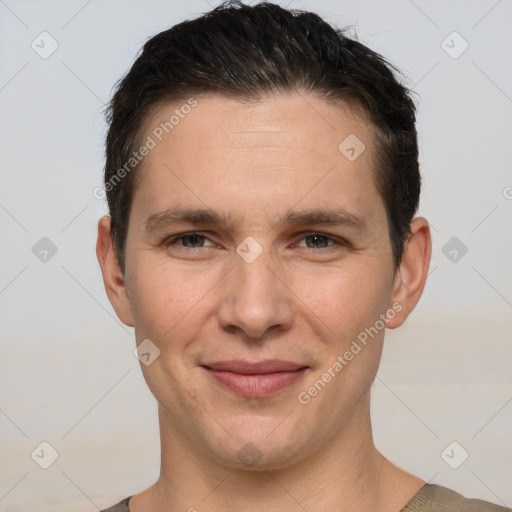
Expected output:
(412, 273)
(112, 275)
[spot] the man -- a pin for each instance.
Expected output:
(262, 180)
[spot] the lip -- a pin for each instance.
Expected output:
(256, 379)
(259, 367)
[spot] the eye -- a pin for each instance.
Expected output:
(317, 242)
(320, 241)
(188, 240)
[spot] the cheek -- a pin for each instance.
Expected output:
(350, 305)
(348, 299)
(167, 300)
(157, 301)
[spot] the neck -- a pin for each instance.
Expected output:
(345, 473)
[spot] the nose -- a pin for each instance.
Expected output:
(255, 298)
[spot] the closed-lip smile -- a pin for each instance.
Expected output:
(256, 379)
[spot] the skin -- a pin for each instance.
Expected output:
(303, 299)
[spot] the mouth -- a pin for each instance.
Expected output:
(255, 380)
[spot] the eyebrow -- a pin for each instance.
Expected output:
(183, 215)
(208, 216)
(325, 217)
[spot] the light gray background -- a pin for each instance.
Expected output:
(68, 374)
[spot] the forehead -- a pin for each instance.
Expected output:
(300, 121)
(279, 149)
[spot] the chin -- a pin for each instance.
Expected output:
(259, 443)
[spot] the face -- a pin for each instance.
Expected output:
(258, 263)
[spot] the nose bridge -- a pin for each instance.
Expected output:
(255, 299)
(253, 273)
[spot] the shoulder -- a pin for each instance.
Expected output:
(430, 498)
(436, 498)
(122, 506)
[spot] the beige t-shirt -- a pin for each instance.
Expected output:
(430, 498)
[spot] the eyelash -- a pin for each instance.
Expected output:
(336, 241)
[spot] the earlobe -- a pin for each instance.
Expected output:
(412, 274)
(113, 279)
